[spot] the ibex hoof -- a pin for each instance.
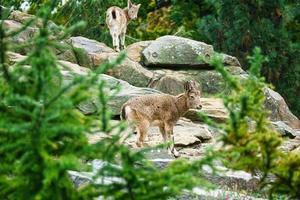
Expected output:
(117, 49)
(138, 144)
(173, 152)
(176, 153)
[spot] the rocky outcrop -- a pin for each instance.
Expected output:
(90, 51)
(153, 67)
(173, 51)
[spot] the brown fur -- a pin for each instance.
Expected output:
(117, 20)
(160, 110)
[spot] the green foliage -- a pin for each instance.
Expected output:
(248, 141)
(36, 148)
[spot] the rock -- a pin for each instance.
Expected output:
(279, 109)
(285, 130)
(23, 18)
(21, 37)
(230, 60)
(13, 58)
(126, 91)
(90, 50)
(211, 81)
(217, 194)
(71, 70)
(186, 140)
(190, 152)
(65, 52)
(290, 144)
(159, 157)
(238, 180)
(170, 82)
(237, 71)
(82, 178)
(132, 72)
(134, 50)
(185, 127)
(296, 150)
(212, 107)
(95, 53)
(173, 51)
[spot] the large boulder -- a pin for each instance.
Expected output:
(279, 109)
(131, 72)
(212, 107)
(90, 50)
(173, 51)
(210, 81)
(64, 52)
(170, 82)
(23, 18)
(94, 53)
(22, 36)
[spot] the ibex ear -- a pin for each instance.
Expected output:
(193, 84)
(129, 4)
(189, 86)
(138, 6)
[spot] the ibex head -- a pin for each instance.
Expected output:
(133, 9)
(193, 95)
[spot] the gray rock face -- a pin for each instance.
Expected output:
(91, 49)
(279, 109)
(285, 130)
(23, 18)
(170, 82)
(126, 91)
(210, 81)
(64, 53)
(172, 51)
(21, 37)
(131, 72)
(240, 180)
(212, 107)
(230, 60)
(291, 145)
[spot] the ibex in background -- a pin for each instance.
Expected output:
(160, 110)
(117, 20)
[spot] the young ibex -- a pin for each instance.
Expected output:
(160, 110)
(117, 20)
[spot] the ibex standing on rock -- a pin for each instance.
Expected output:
(117, 20)
(160, 110)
